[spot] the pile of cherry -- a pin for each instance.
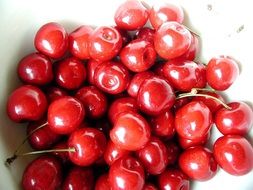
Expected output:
(120, 111)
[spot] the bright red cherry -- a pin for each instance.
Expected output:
(174, 151)
(44, 172)
(130, 131)
(70, 73)
(146, 33)
(65, 115)
(172, 40)
(51, 40)
(139, 55)
(54, 93)
(126, 173)
(155, 96)
(89, 145)
(198, 163)
(193, 120)
(63, 156)
(221, 72)
(104, 43)
(79, 42)
(111, 77)
(26, 103)
(187, 143)
(102, 183)
(91, 67)
(235, 121)
(234, 154)
(131, 15)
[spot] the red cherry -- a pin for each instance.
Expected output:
(51, 40)
(79, 42)
(187, 143)
(193, 120)
(221, 72)
(63, 156)
(139, 55)
(152, 102)
(102, 183)
(173, 179)
(146, 33)
(180, 103)
(44, 172)
(158, 68)
(91, 67)
(105, 43)
(131, 15)
(126, 37)
(198, 163)
(173, 151)
(70, 73)
(89, 145)
(126, 173)
(26, 103)
(234, 154)
(172, 40)
(55, 93)
(130, 131)
(111, 77)
(65, 115)
(149, 186)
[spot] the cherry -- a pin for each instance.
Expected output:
(70, 73)
(79, 42)
(104, 43)
(131, 15)
(139, 55)
(146, 33)
(91, 67)
(172, 40)
(63, 156)
(65, 115)
(180, 103)
(187, 143)
(234, 154)
(150, 101)
(173, 151)
(130, 131)
(54, 93)
(235, 121)
(102, 183)
(89, 145)
(126, 173)
(51, 40)
(126, 37)
(221, 72)
(193, 120)
(26, 103)
(149, 186)
(44, 172)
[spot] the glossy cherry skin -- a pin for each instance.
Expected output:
(89, 145)
(173, 179)
(44, 172)
(198, 163)
(104, 43)
(172, 40)
(237, 121)
(79, 42)
(126, 173)
(63, 156)
(91, 67)
(51, 40)
(234, 154)
(54, 93)
(130, 131)
(94, 101)
(65, 115)
(185, 75)
(111, 77)
(26, 103)
(163, 12)
(102, 183)
(70, 73)
(146, 33)
(131, 15)
(221, 72)
(35, 69)
(193, 120)
(174, 151)
(187, 143)
(154, 156)
(79, 178)
(150, 101)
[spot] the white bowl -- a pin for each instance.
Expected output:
(225, 27)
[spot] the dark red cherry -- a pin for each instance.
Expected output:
(63, 156)
(91, 67)
(51, 40)
(146, 33)
(102, 183)
(54, 93)
(174, 151)
(180, 103)
(187, 143)
(126, 37)
(149, 186)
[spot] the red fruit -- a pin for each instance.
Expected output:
(234, 154)
(65, 115)
(26, 103)
(79, 42)
(44, 172)
(131, 15)
(146, 33)
(51, 40)
(126, 173)
(149, 186)
(193, 120)
(221, 72)
(91, 67)
(180, 103)
(55, 93)
(130, 131)
(173, 151)
(172, 40)
(187, 143)
(63, 156)
(102, 183)
(126, 37)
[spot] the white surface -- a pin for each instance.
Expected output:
(19, 21)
